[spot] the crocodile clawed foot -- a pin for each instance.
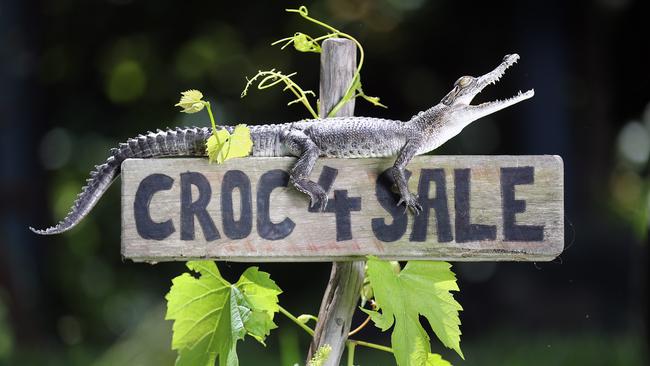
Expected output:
(317, 198)
(319, 201)
(317, 195)
(410, 202)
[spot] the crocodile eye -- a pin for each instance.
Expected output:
(464, 81)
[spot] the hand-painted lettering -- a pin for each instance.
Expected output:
(388, 201)
(341, 204)
(190, 209)
(265, 227)
(511, 230)
(438, 204)
(236, 229)
(146, 227)
(465, 230)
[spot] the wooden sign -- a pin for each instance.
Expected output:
(475, 208)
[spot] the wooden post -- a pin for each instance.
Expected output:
(337, 66)
(338, 62)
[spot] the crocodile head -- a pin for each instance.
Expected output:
(467, 87)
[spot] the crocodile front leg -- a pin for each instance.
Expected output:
(405, 155)
(301, 145)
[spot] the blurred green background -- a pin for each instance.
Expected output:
(77, 77)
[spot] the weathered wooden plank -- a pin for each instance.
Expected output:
(480, 208)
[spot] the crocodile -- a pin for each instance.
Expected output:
(339, 137)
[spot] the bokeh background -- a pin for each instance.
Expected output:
(78, 76)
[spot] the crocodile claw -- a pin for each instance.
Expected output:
(319, 202)
(410, 202)
(318, 199)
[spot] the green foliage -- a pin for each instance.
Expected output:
(210, 314)
(126, 82)
(301, 42)
(321, 355)
(630, 186)
(421, 288)
(270, 78)
(305, 318)
(421, 355)
(191, 101)
(366, 289)
(305, 43)
(434, 359)
(222, 145)
(6, 336)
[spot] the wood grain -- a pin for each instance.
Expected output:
(337, 67)
(314, 237)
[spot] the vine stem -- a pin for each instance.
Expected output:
(371, 345)
(214, 124)
(357, 329)
(214, 130)
(303, 13)
(310, 317)
(310, 331)
(278, 77)
(351, 346)
(302, 325)
(355, 78)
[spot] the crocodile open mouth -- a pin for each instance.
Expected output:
(494, 76)
(509, 101)
(467, 87)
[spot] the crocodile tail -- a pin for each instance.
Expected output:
(99, 181)
(170, 142)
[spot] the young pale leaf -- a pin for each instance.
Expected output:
(304, 318)
(305, 43)
(214, 147)
(225, 146)
(210, 315)
(373, 100)
(421, 288)
(360, 93)
(241, 144)
(191, 101)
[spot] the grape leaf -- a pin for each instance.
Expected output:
(225, 145)
(421, 288)
(261, 295)
(366, 288)
(210, 314)
(434, 359)
(215, 146)
(421, 355)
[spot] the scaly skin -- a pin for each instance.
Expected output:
(339, 137)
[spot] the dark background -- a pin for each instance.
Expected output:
(76, 77)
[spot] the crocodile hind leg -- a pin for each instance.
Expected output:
(303, 147)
